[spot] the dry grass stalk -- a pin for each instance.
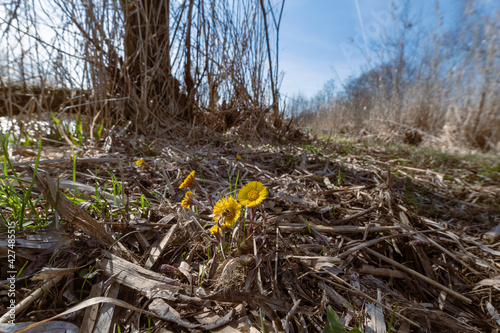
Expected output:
(157, 63)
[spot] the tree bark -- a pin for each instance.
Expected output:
(147, 66)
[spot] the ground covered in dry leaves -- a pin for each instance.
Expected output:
(389, 238)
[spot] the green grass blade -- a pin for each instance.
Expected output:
(6, 159)
(236, 184)
(334, 325)
(27, 194)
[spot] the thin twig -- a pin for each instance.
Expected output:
(358, 292)
(420, 276)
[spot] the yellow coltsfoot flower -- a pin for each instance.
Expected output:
(252, 194)
(187, 201)
(189, 181)
(228, 210)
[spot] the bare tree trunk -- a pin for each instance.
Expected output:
(148, 69)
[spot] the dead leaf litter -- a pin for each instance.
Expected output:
(358, 232)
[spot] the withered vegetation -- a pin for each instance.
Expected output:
(359, 230)
(153, 62)
(427, 84)
(389, 237)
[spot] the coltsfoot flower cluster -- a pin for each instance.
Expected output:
(227, 210)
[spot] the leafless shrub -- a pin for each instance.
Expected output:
(149, 61)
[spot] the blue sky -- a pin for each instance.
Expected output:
(315, 37)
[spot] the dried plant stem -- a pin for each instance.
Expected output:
(358, 292)
(32, 297)
(420, 276)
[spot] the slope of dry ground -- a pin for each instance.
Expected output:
(386, 235)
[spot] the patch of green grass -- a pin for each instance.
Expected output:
(313, 149)
(347, 148)
(98, 204)
(491, 171)
(18, 199)
(344, 144)
(26, 140)
(73, 130)
(428, 158)
(117, 187)
(477, 168)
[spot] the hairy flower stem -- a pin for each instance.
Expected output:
(253, 214)
(200, 204)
